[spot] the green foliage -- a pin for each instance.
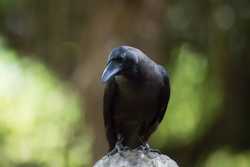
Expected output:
(225, 158)
(39, 116)
(191, 107)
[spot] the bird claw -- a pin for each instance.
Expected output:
(148, 149)
(145, 147)
(141, 148)
(153, 150)
(119, 148)
(127, 148)
(112, 152)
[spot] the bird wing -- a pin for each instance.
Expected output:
(163, 98)
(164, 93)
(110, 127)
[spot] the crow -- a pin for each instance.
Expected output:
(136, 96)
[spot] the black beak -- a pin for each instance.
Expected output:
(110, 71)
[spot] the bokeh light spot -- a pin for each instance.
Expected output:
(224, 16)
(39, 116)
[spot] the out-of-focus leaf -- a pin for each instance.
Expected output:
(39, 115)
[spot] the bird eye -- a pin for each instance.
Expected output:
(120, 59)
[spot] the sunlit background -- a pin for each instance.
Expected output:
(52, 54)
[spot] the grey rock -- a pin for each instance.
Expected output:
(136, 159)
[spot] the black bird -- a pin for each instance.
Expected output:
(135, 99)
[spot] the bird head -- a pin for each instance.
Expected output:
(121, 61)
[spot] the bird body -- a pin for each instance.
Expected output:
(135, 99)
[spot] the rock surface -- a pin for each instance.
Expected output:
(136, 159)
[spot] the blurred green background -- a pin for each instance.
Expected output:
(53, 53)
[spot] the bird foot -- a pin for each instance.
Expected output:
(148, 149)
(119, 148)
(141, 147)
